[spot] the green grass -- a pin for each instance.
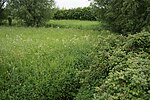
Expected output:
(78, 24)
(42, 63)
(71, 63)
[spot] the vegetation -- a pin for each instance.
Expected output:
(85, 13)
(74, 59)
(33, 12)
(42, 63)
(75, 24)
(71, 64)
(2, 10)
(124, 16)
(127, 71)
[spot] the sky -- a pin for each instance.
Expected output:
(72, 3)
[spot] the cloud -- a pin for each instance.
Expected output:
(72, 3)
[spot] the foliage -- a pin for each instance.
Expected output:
(67, 64)
(2, 10)
(127, 70)
(85, 13)
(32, 12)
(116, 69)
(124, 15)
(138, 42)
(128, 80)
(75, 24)
(100, 64)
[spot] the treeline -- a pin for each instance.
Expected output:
(120, 16)
(85, 13)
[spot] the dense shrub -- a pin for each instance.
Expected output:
(120, 69)
(85, 13)
(127, 70)
(99, 66)
(128, 80)
(138, 42)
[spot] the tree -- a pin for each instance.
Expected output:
(32, 12)
(85, 13)
(124, 15)
(2, 15)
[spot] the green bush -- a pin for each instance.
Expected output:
(128, 70)
(138, 42)
(128, 80)
(116, 70)
(100, 65)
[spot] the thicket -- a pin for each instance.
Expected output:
(120, 69)
(124, 16)
(85, 13)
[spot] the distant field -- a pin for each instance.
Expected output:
(78, 24)
(25, 40)
(38, 63)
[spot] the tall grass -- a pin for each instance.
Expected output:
(77, 24)
(68, 63)
(41, 63)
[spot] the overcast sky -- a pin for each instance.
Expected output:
(72, 3)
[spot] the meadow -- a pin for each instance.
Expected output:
(75, 24)
(100, 52)
(42, 63)
(73, 63)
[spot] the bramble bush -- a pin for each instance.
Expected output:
(99, 67)
(138, 42)
(128, 70)
(118, 70)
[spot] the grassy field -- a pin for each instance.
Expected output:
(42, 63)
(72, 63)
(78, 24)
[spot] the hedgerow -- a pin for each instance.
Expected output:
(85, 13)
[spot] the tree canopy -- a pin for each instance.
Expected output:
(32, 12)
(2, 15)
(124, 15)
